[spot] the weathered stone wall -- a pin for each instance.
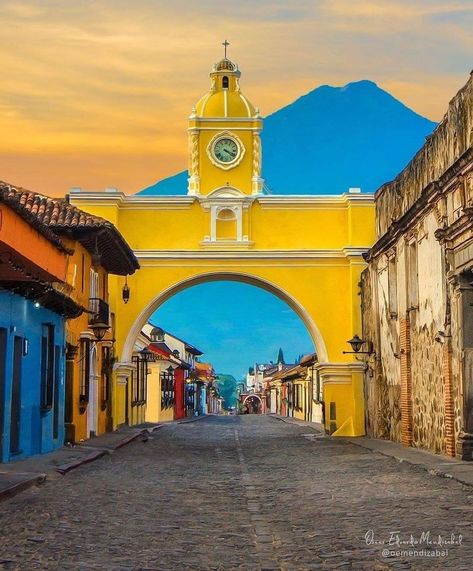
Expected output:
(421, 390)
(428, 412)
(382, 386)
(452, 137)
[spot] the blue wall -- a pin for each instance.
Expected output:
(21, 318)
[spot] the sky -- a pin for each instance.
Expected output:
(234, 335)
(96, 94)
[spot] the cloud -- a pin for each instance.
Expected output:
(113, 77)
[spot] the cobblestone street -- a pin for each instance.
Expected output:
(247, 492)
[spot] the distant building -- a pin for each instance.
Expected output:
(169, 379)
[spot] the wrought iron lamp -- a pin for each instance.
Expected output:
(99, 330)
(126, 291)
(357, 343)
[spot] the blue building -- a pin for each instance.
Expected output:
(32, 353)
(34, 305)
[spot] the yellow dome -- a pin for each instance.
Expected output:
(224, 104)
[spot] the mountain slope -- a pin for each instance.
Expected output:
(330, 139)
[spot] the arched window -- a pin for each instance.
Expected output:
(226, 224)
(226, 214)
(225, 82)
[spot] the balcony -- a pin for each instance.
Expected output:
(98, 312)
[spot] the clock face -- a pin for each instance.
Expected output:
(225, 150)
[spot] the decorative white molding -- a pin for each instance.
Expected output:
(355, 252)
(178, 201)
(199, 119)
(255, 254)
(220, 244)
(87, 335)
(290, 201)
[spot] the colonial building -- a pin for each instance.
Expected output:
(94, 249)
(418, 295)
(34, 303)
(290, 389)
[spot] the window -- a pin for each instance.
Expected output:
(139, 381)
(94, 284)
(84, 377)
(225, 82)
(412, 277)
(57, 376)
(392, 286)
(82, 272)
(190, 397)
(167, 389)
(47, 366)
(107, 364)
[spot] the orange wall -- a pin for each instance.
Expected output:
(80, 261)
(17, 234)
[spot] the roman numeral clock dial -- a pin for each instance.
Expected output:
(225, 150)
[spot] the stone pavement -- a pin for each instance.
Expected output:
(18, 476)
(240, 493)
(435, 464)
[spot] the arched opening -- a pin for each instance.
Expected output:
(201, 278)
(226, 224)
(225, 82)
(252, 404)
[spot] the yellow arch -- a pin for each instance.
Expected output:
(213, 276)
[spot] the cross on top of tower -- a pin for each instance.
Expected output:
(225, 45)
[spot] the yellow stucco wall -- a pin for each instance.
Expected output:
(154, 412)
(78, 278)
(307, 251)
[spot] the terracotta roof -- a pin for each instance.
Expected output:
(93, 232)
(9, 196)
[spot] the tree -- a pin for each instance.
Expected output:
(280, 360)
(227, 388)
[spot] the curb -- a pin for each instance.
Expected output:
(65, 468)
(403, 460)
(15, 489)
(194, 419)
(127, 439)
(297, 422)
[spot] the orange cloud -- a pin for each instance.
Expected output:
(98, 94)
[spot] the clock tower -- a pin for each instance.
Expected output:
(224, 138)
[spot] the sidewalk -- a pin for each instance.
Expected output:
(434, 464)
(18, 476)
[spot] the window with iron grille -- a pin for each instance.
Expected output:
(135, 378)
(167, 389)
(84, 374)
(47, 366)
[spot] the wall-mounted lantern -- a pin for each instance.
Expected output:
(126, 291)
(357, 343)
(99, 330)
